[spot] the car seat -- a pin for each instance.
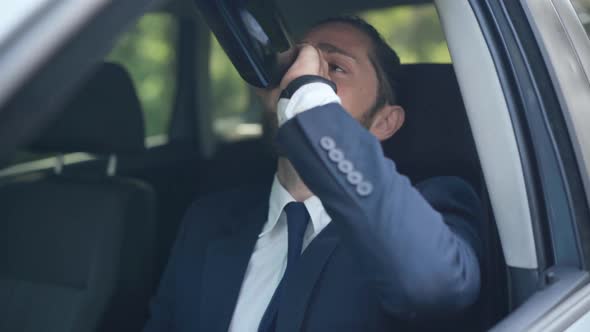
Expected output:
(77, 248)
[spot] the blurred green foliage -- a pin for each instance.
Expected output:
(147, 51)
(414, 32)
(230, 95)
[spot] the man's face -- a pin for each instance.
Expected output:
(346, 49)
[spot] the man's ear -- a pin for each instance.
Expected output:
(388, 120)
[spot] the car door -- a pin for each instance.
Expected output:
(561, 30)
(527, 104)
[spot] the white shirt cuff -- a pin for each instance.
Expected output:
(305, 98)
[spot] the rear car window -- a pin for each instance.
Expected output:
(148, 52)
(414, 32)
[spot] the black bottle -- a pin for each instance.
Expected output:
(254, 36)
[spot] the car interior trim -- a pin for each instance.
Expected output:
(502, 45)
(570, 70)
(568, 315)
(549, 163)
(493, 131)
(183, 121)
(523, 283)
(561, 284)
(43, 36)
(207, 141)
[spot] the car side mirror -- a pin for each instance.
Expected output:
(254, 36)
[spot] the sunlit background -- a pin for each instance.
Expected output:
(148, 52)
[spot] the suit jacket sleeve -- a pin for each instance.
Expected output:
(419, 255)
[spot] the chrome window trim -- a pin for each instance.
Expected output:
(572, 315)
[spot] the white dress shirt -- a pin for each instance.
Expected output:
(305, 98)
(269, 258)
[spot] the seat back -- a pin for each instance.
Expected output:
(76, 250)
(436, 140)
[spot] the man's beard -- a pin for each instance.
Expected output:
(367, 118)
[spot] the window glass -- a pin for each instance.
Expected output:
(414, 32)
(583, 10)
(236, 113)
(148, 52)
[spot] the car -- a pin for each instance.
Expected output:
(116, 115)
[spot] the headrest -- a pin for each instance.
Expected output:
(436, 138)
(103, 117)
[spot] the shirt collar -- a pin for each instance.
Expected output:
(280, 197)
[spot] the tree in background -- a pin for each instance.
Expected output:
(413, 31)
(148, 52)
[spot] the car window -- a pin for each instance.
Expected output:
(414, 32)
(582, 8)
(148, 52)
(236, 112)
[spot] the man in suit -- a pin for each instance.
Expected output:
(341, 241)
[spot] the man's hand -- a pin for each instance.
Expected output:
(309, 62)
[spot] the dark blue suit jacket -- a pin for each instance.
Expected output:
(392, 254)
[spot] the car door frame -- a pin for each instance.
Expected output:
(552, 176)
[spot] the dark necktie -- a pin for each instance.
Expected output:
(297, 220)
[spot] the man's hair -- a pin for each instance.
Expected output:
(383, 57)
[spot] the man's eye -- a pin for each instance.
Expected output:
(336, 68)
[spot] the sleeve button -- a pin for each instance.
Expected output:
(327, 143)
(354, 178)
(336, 155)
(345, 166)
(364, 188)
